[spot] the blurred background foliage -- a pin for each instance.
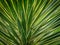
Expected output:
(29, 22)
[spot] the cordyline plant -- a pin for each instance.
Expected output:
(29, 22)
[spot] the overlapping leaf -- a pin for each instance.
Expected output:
(29, 22)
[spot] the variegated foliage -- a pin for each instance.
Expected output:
(29, 22)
